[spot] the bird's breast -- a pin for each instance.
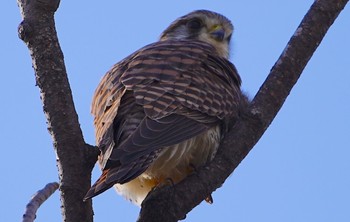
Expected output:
(173, 162)
(177, 161)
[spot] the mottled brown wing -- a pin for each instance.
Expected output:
(159, 96)
(177, 76)
(106, 102)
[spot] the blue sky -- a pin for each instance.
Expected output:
(299, 170)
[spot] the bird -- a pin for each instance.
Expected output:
(160, 113)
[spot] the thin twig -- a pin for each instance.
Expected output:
(37, 199)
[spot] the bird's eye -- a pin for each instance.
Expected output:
(194, 24)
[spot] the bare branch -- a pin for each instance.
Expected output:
(75, 158)
(38, 198)
(173, 203)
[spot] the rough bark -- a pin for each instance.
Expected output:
(75, 159)
(173, 203)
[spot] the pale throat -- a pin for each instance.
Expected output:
(222, 48)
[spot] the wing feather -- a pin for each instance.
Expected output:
(159, 96)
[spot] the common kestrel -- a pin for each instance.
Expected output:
(161, 112)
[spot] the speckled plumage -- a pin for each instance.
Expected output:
(161, 111)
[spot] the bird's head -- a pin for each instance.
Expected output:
(203, 25)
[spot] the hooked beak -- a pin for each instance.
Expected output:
(217, 32)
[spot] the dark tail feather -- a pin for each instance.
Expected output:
(99, 187)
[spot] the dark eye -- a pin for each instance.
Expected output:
(194, 24)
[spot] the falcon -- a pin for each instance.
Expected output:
(161, 112)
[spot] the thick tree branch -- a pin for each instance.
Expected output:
(173, 203)
(75, 159)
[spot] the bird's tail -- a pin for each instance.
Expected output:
(99, 186)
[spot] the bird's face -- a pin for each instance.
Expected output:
(202, 25)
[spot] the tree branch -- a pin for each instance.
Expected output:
(75, 159)
(38, 198)
(173, 203)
